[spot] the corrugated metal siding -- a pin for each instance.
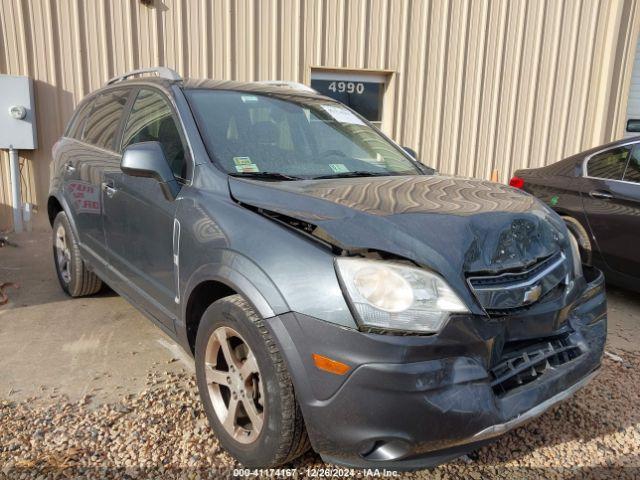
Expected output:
(477, 85)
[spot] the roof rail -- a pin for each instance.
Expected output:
(162, 72)
(286, 84)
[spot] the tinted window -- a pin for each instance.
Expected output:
(74, 130)
(609, 164)
(102, 125)
(151, 119)
(632, 174)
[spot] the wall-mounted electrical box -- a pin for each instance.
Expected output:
(17, 113)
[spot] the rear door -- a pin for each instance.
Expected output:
(78, 198)
(611, 203)
(91, 156)
(139, 220)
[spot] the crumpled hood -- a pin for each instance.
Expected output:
(452, 225)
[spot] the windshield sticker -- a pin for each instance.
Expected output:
(249, 98)
(242, 160)
(342, 115)
(250, 168)
(338, 167)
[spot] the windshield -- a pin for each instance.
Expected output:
(288, 139)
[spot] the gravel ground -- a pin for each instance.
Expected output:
(163, 433)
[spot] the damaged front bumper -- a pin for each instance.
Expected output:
(415, 401)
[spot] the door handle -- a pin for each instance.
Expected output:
(69, 168)
(600, 194)
(108, 189)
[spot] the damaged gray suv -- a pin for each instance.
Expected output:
(335, 293)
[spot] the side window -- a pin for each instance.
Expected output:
(102, 125)
(632, 174)
(609, 165)
(151, 119)
(74, 130)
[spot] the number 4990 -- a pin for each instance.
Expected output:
(349, 87)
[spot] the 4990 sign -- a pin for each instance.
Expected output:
(364, 97)
(349, 87)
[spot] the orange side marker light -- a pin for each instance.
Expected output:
(329, 365)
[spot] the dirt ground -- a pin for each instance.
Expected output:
(89, 387)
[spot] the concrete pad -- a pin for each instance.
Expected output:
(624, 319)
(54, 345)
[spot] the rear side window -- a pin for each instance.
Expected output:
(102, 125)
(74, 130)
(609, 165)
(152, 120)
(632, 174)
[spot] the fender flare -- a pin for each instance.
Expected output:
(65, 208)
(245, 277)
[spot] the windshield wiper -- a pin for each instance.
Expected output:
(266, 175)
(357, 173)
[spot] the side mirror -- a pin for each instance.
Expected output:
(633, 125)
(411, 152)
(146, 159)
(425, 168)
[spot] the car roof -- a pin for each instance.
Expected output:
(568, 165)
(211, 84)
(163, 83)
(606, 146)
(254, 87)
(580, 156)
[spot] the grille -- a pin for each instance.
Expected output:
(522, 365)
(512, 290)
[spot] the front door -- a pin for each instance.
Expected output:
(612, 203)
(138, 219)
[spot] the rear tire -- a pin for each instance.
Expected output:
(267, 429)
(74, 276)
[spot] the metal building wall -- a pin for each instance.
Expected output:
(477, 84)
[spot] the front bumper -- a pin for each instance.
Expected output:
(415, 401)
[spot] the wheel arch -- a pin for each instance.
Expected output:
(203, 295)
(580, 232)
(56, 204)
(53, 208)
(215, 281)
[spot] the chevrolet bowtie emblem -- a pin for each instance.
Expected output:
(532, 294)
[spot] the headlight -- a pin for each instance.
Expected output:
(394, 296)
(575, 253)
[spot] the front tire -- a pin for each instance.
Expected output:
(74, 276)
(246, 388)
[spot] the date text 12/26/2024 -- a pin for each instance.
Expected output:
(313, 472)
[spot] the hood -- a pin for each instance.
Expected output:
(455, 226)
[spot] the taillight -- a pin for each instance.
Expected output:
(516, 182)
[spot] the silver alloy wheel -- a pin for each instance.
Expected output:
(63, 255)
(235, 385)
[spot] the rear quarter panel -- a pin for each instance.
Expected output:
(559, 186)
